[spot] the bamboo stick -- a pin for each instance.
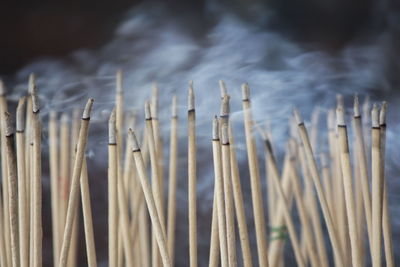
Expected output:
(192, 177)
(23, 219)
(348, 186)
(214, 242)
(386, 225)
(73, 196)
(65, 150)
(377, 184)
(258, 211)
(320, 192)
(155, 220)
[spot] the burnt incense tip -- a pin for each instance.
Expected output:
(222, 87)
(224, 134)
(366, 106)
(31, 83)
(340, 100)
(9, 129)
(174, 107)
(147, 110)
(118, 81)
(21, 114)
(215, 128)
(2, 88)
(112, 128)
(331, 120)
(297, 116)
(35, 97)
(64, 118)
(191, 104)
(88, 109)
(133, 140)
(375, 116)
(382, 114)
(245, 92)
(225, 107)
(340, 116)
(356, 106)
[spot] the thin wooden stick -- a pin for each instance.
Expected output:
(65, 150)
(173, 155)
(12, 189)
(348, 186)
(219, 188)
(192, 177)
(87, 216)
(112, 195)
(377, 190)
(387, 227)
(74, 192)
(258, 210)
(155, 220)
(214, 242)
(23, 219)
(320, 191)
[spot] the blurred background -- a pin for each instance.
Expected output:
(300, 52)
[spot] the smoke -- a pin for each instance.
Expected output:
(152, 45)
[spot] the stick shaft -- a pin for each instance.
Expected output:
(192, 176)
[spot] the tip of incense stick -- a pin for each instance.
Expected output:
(35, 97)
(382, 114)
(133, 140)
(356, 106)
(52, 115)
(191, 105)
(222, 87)
(215, 128)
(147, 110)
(375, 116)
(366, 106)
(245, 92)
(340, 100)
(331, 120)
(340, 116)
(224, 134)
(88, 109)
(2, 88)
(118, 81)
(21, 114)
(9, 129)
(225, 108)
(174, 107)
(64, 118)
(324, 160)
(112, 128)
(31, 83)
(297, 116)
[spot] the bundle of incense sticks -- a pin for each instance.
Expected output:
(351, 187)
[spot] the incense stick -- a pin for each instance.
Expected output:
(258, 210)
(73, 196)
(348, 186)
(155, 220)
(192, 177)
(214, 242)
(65, 150)
(23, 219)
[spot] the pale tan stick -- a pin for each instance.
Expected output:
(229, 206)
(37, 180)
(74, 192)
(314, 128)
(144, 234)
(284, 205)
(3, 258)
(192, 177)
(28, 137)
(387, 227)
(12, 189)
(305, 224)
(23, 219)
(65, 150)
(366, 113)
(348, 186)
(155, 220)
(331, 123)
(258, 210)
(320, 191)
(87, 216)
(214, 242)
(309, 198)
(377, 188)
(173, 155)
(55, 196)
(239, 206)
(326, 177)
(155, 181)
(112, 196)
(362, 166)
(7, 236)
(32, 203)
(219, 188)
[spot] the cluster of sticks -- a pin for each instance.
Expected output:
(343, 192)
